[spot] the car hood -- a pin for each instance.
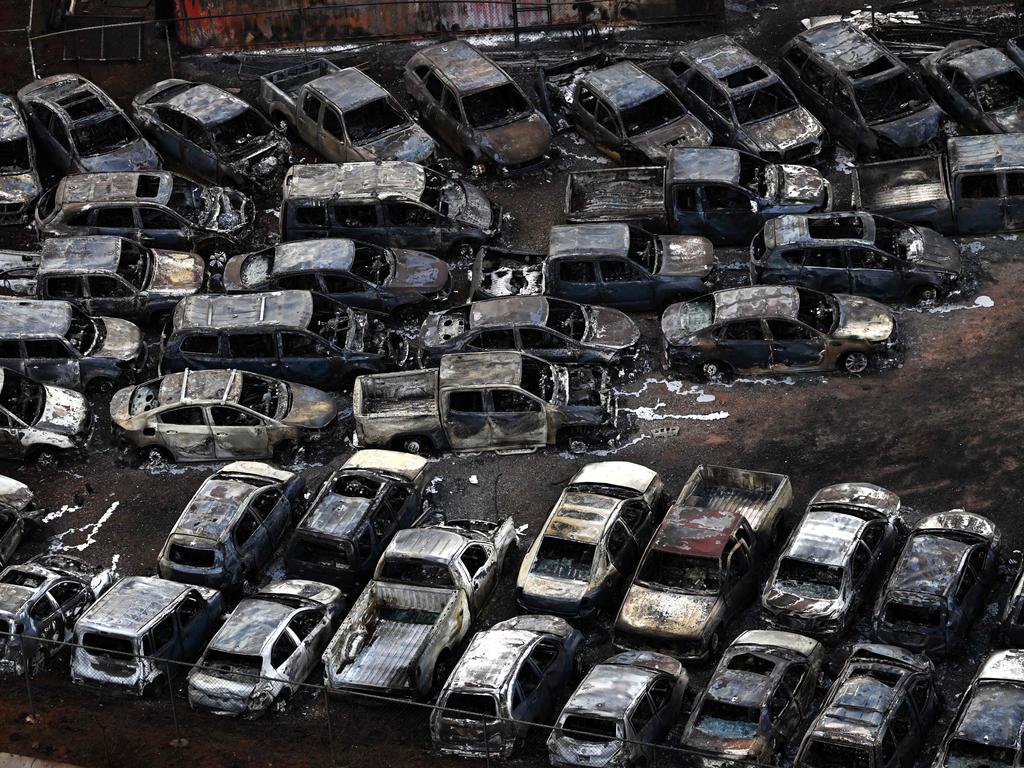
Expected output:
(798, 186)
(610, 328)
(800, 606)
(863, 318)
(931, 250)
(474, 209)
(417, 271)
(65, 412)
(123, 340)
(310, 408)
(557, 590)
(686, 131)
(19, 188)
(666, 614)
(685, 256)
(912, 131)
(137, 155)
(176, 274)
(517, 142)
(785, 131)
(409, 142)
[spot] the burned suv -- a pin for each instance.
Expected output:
(297, 335)
(19, 178)
(37, 420)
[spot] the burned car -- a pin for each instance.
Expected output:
(630, 116)
(776, 329)
(511, 675)
(267, 647)
(53, 342)
(592, 540)
(39, 603)
(876, 714)
(37, 420)
(757, 699)
(300, 336)
(159, 210)
(607, 264)
(395, 281)
(343, 114)
(859, 253)
(480, 401)
(19, 177)
(987, 728)
(552, 329)
(232, 525)
(979, 86)
(354, 515)
(82, 129)
(392, 204)
(940, 583)
(218, 414)
(213, 133)
(476, 108)
(867, 98)
(1010, 632)
(841, 547)
(742, 101)
(114, 277)
(18, 273)
(137, 621)
(623, 708)
(19, 516)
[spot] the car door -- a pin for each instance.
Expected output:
(166, 130)
(1013, 211)
(359, 220)
(350, 290)
(63, 288)
(306, 359)
(623, 551)
(331, 139)
(608, 136)
(110, 295)
(50, 361)
(307, 118)
(577, 280)
(183, 431)
(310, 628)
(739, 584)
(238, 434)
(482, 569)
(642, 719)
(46, 616)
(12, 356)
(584, 107)
(466, 420)
(491, 338)
(687, 214)
(254, 351)
(875, 274)
(192, 623)
(716, 113)
(546, 344)
(439, 119)
(200, 351)
(979, 203)
(545, 665)
(271, 506)
(825, 268)
(12, 432)
(252, 544)
(116, 220)
(743, 345)
(165, 638)
(516, 419)
(624, 284)
(159, 228)
(967, 595)
(286, 657)
(72, 598)
(414, 226)
(638, 518)
(794, 346)
(199, 154)
(730, 214)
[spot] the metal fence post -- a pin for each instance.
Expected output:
(28, 687)
(515, 22)
(178, 740)
(167, 39)
(487, 743)
(330, 733)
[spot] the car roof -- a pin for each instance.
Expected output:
(115, 187)
(982, 63)
(696, 531)
(704, 164)
(744, 687)
(624, 84)
(929, 564)
(251, 625)
(62, 91)
(92, 253)
(379, 180)
(440, 545)
(994, 713)
(825, 537)
(599, 239)
(509, 310)
(755, 302)
(482, 369)
(492, 657)
(793, 229)
(986, 153)
(609, 690)
(864, 496)
(581, 516)
(1004, 665)
(776, 639)
(843, 46)
(30, 318)
(12, 124)
(210, 386)
(14, 596)
(132, 604)
(208, 104)
(348, 88)
(407, 465)
(213, 509)
(623, 474)
(292, 309)
(721, 56)
(464, 66)
(313, 255)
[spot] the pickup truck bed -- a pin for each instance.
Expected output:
(507, 273)
(758, 496)
(898, 184)
(289, 80)
(395, 394)
(616, 194)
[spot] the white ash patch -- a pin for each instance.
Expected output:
(57, 514)
(90, 530)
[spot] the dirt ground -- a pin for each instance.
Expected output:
(943, 431)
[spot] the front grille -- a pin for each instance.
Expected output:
(12, 212)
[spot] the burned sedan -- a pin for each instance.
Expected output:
(742, 101)
(354, 515)
(980, 86)
(213, 133)
(552, 329)
(476, 108)
(876, 714)
(867, 98)
(396, 281)
(592, 540)
(19, 177)
(218, 414)
(940, 583)
(622, 709)
(268, 646)
(18, 273)
(776, 329)
(300, 336)
(38, 420)
(19, 515)
(232, 525)
(859, 253)
(511, 675)
(840, 548)
(39, 603)
(82, 129)
(757, 699)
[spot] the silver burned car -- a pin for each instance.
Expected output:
(19, 178)
(267, 647)
(37, 420)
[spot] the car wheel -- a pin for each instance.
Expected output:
(855, 363)
(284, 452)
(154, 456)
(100, 386)
(442, 669)
(459, 251)
(41, 454)
(414, 444)
(714, 370)
(925, 296)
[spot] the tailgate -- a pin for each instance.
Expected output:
(386, 661)
(617, 194)
(758, 496)
(507, 273)
(896, 184)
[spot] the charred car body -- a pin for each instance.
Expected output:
(867, 98)
(82, 129)
(592, 540)
(940, 582)
(213, 133)
(19, 515)
(18, 273)
(859, 253)
(393, 204)
(394, 281)
(232, 525)
(1010, 632)
(742, 101)
(267, 647)
(503, 401)
(39, 603)
(299, 335)
(777, 329)
(19, 178)
(622, 708)
(218, 414)
(476, 108)
(38, 419)
(841, 546)
(511, 675)
(139, 619)
(354, 516)
(552, 329)
(756, 700)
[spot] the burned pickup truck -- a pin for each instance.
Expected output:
(403, 632)
(976, 188)
(723, 194)
(501, 401)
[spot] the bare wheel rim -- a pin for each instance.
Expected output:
(855, 362)
(711, 370)
(927, 295)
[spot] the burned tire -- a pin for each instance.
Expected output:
(714, 371)
(418, 444)
(442, 669)
(100, 386)
(925, 296)
(155, 455)
(854, 363)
